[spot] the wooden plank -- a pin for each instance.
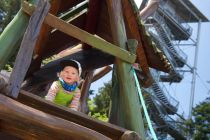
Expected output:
(17, 118)
(131, 19)
(24, 56)
(125, 95)
(109, 130)
(92, 40)
(101, 73)
(12, 35)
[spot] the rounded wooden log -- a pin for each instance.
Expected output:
(26, 122)
(130, 135)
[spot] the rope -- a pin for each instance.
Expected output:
(144, 106)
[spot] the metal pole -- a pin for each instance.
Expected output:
(194, 73)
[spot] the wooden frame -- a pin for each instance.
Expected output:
(92, 40)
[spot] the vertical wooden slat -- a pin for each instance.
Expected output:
(85, 92)
(91, 24)
(129, 107)
(12, 35)
(24, 56)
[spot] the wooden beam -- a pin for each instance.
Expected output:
(109, 130)
(125, 94)
(42, 40)
(75, 10)
(132, 20)
(26, 122)
(24, 56)
(92, 40)
(11, 36)
(101, 73)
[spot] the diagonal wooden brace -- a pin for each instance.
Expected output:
(24, 56)
(92, 40)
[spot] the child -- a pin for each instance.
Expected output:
(65, 91)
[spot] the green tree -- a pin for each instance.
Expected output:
(199, 125)
(99, 105)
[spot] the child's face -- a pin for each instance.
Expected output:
(70, 75)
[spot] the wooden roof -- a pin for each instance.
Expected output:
(54, 41)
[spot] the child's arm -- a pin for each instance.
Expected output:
(52, 91)
(75, 101)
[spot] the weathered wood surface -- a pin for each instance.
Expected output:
(101, 73)
(24, 56)
(91, 24)
(44, 46)
(129, 109)
(84, 36)
(85, 92)
(42, 39)
(11, 36)
(109, 130)
(28, 123)
(133, 32)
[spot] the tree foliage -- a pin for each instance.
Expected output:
(99, 105)
(199, 125)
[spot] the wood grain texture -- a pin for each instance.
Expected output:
(24, 56)
(92, 40)
(27, 122)
(125, 95)
(133, 32)
(109, 130)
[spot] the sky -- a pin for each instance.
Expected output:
(182, 90)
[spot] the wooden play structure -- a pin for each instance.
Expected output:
(97, 33)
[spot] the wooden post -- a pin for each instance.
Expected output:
(129, 109)
(24, 56)
(85, 92)
(29, 123)
(92, 40)
(133, 28)
(10, 38)
(91, 24)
